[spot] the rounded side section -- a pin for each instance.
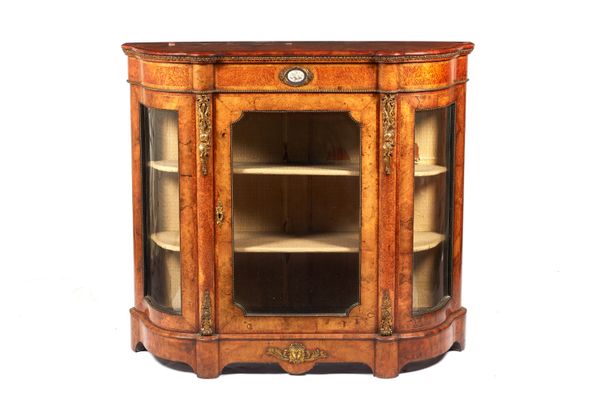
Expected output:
(171, 346)
(426, 345)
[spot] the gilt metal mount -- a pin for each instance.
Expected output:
(388, 106)
(204, 130)
(296, 353)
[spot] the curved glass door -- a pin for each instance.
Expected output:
(296, 212)
(433, 205)
(162, 266)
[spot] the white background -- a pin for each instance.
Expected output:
(531, 269)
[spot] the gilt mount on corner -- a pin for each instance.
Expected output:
(298, 203)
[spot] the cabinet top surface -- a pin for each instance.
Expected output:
(375, 51)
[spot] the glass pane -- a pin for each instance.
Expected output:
(296, 212)
(432, 244)
(162, 269)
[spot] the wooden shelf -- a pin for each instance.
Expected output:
(336, 242)
(266, 242)
(429, 170)
(293, 169)
(168, 240)
(164, 165)
(426, 240)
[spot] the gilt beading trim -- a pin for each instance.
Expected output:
(295, 90)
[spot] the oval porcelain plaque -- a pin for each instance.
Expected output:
(295, 76)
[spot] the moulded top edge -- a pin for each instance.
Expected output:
(274, 51)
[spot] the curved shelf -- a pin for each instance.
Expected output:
(429, 170)
(299, 169)
(426, 240)
(164, 165)
(269, 242)
(168, 240)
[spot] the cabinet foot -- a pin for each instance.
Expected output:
(207, 357)
(386, 357)
(138, 347)
(459, 335)
(136, 342)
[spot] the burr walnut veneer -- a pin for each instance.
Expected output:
(298, 203)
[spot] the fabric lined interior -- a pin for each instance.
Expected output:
(430, 208)
(161, 208)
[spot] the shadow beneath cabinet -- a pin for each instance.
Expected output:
(319, 369)
(419, 365)
(175, 365)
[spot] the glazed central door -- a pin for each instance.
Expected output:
(296, 211)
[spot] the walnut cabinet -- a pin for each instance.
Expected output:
(298, 203)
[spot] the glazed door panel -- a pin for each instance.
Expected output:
(164, 165)
(432, 135)
(434, 139)
(296, 193)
